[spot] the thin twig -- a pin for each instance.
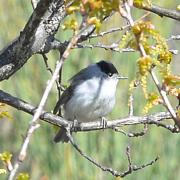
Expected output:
(174, 51)
(131, 167)
(170, 127)
(131, 107)
(46, 63)
(173, 37)
(112, 30)
(59, 90)
(22, 154)
(58, 85)
(132, 134)
(113, 47)
(115, 173)
(174, 14)
(136, 83)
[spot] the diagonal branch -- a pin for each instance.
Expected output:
(142, 51)
(170, 13)
(34, 122)
(167, 103)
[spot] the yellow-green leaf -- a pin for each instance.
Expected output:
(3, 171)
(5, 114)
(23, 176)
(172, 80)
(5, 157)
(178, 7)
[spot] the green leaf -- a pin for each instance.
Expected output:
(23, 176)
(3, 171)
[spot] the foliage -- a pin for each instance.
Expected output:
(141, 3)
(3, 171)
(22, 176)
(94, 11)
(158, 55)
(5, 157)
(4, 114)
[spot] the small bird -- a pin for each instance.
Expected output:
(90, 96)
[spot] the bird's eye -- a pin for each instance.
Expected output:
(110, 74)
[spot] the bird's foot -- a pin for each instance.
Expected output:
(74, 125)
(103, 122)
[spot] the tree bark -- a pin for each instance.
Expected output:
(35, 37)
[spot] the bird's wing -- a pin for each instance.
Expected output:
(66, 95)
(80, 76)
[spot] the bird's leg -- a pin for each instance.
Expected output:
(103, 122)
(74, 125)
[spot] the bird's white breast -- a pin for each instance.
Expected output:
(91, 99)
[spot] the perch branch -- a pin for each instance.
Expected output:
(89, 126)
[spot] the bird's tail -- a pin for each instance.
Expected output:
(61, 136)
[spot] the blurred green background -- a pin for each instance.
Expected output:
(46, 160)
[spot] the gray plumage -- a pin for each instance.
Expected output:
(90, 96)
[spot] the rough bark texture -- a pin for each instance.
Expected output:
(90, 126)
(35, 38)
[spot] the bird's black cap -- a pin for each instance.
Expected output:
(107, 67)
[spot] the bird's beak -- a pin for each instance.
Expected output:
(121, 77)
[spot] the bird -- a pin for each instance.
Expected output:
(90, 96)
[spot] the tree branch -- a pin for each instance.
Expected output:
(112, 47)
(38, 31)
(131, 167)
(162, 92)
(174, 14)
(132, 134)
(174, 37)
(89, 126)
(35, 120)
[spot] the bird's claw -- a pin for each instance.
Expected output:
(103, 123)
(74, 125)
